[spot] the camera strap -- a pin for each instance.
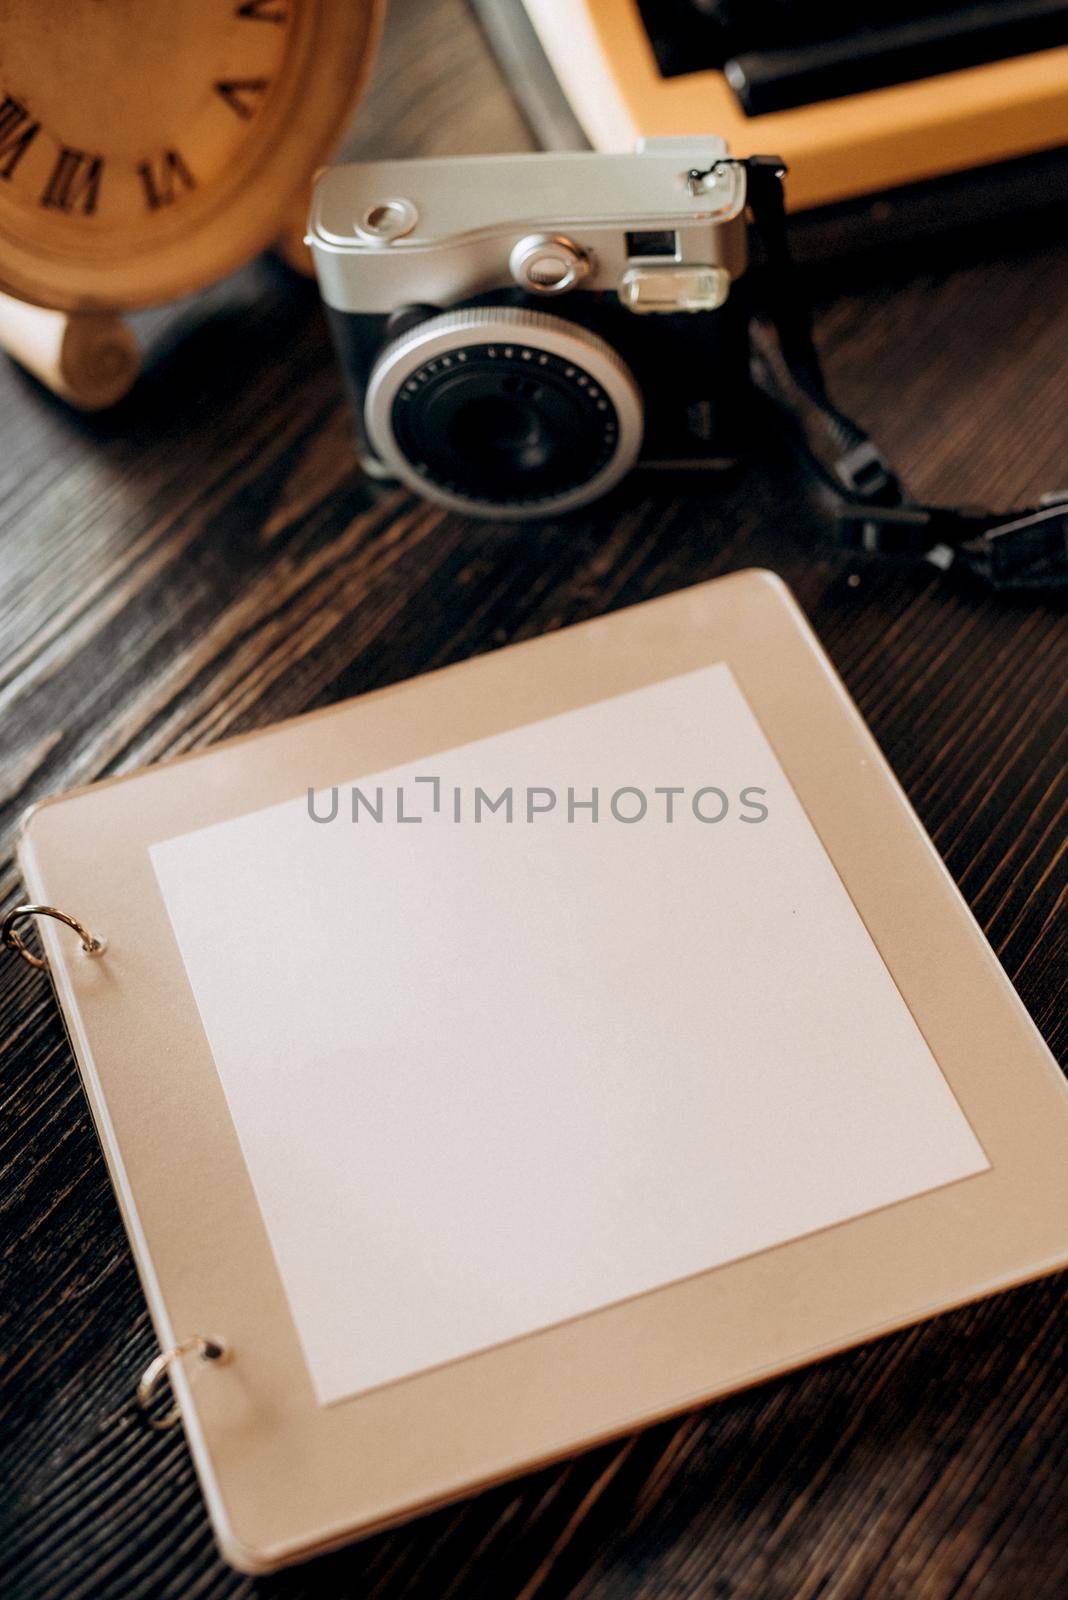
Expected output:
(871, 508)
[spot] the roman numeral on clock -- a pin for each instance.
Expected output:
(163, 177)
(242, 95)
(264, 10)
(74, 184)
(17, 132)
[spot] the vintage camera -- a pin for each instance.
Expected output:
(518, 332)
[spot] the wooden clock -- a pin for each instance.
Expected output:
(148, 147)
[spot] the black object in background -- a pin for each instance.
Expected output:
(776, 54)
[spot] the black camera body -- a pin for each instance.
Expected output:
(518, 332)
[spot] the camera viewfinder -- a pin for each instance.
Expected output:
(653, 242)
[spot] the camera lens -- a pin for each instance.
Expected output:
(504, 422)
(503, 432)
(504, 412)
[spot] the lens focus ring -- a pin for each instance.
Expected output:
(504, 412)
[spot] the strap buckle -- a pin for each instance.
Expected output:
(1027, 551)
(885, 530)
(865, 471)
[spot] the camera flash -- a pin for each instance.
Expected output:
(664, 289)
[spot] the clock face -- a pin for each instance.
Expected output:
(147, 146)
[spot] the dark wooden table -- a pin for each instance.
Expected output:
(208, 559)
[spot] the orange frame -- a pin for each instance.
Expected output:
(838, 149)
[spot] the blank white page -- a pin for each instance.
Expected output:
(488, 1076)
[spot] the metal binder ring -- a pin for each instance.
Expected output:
(14, 941)
(157, 1370)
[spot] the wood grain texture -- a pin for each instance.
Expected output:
(208, 559)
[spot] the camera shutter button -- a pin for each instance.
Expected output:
(548, 263)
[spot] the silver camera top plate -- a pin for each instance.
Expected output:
(448, 225)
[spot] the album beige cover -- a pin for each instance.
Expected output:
(509, 1058)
